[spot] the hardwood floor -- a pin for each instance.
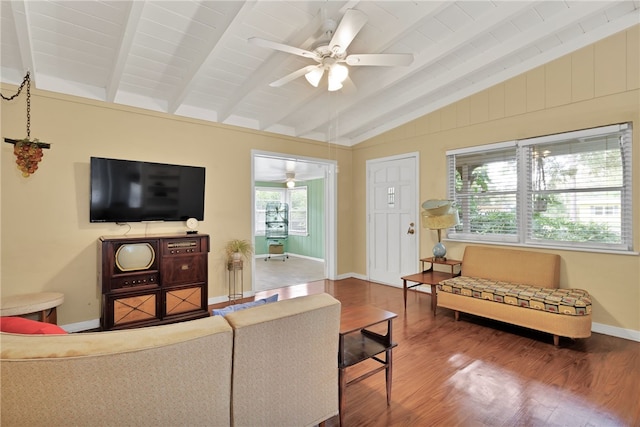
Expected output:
(476, 372)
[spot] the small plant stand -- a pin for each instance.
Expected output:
(236, 279)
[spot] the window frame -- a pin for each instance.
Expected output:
(285, 197)
(524, 232)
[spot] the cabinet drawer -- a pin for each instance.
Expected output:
(184, 300)
(131, 309)
(184, 269)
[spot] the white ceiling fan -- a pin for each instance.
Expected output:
(330, 52)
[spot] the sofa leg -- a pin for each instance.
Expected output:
(456, 315)
(556, 340)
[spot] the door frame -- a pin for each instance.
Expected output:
(416, 210)
(330, 208)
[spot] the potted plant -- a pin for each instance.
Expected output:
(237, 249)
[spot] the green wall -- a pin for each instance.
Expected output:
(311, 245)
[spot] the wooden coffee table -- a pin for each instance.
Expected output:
(358, 344)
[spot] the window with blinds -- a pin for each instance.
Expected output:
(571, 189)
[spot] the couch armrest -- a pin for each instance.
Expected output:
(285, 362)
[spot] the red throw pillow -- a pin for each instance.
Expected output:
(20, 325)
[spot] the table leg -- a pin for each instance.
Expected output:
(341, 386)
(49, 316)
(404, 291)
(388, 374)
(434, 299)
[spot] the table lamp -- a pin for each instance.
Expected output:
(436, 219)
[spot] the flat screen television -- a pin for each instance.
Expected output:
(134, 191)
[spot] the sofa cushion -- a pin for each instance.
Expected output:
(575, 302)
(20, 325)
(237, 307)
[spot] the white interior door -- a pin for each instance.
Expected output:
(392, 185)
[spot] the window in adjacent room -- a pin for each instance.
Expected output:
(563, 190)
(296, 198)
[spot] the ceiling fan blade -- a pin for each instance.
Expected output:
(380, 59)
(351, 23)
(289, 77)
(283, 48)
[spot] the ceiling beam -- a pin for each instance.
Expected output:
(19, 10)
(427, 9)
(578, 12)
(133, 20)
(261, 77)
(430, 56)
(216, 44)
(427, 106)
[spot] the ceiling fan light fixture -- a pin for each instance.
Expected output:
(334, 85)
(314, 76)
(291, 183)
(338, 72)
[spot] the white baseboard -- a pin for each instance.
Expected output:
(261, 256)
(614, 331)
(81, 326)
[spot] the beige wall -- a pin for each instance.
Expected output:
(595, 86)
(48, 243)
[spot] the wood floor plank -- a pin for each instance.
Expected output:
(477, 372)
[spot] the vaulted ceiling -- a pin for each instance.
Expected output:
(193, 58)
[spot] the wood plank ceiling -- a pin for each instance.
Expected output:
(192, 58)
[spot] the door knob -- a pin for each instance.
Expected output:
(411, 230)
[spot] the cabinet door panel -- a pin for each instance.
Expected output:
(183, 300)
(132, 308)
(184, 269)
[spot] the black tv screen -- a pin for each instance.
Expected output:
(133, 191)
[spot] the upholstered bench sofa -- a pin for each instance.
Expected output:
(271, 365)
(518, 287)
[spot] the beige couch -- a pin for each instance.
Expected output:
(517, 287)
(271, 365)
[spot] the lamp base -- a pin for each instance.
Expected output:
(439, 251)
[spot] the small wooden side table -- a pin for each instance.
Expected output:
(431, 277)
(43, 303)
(358, 344)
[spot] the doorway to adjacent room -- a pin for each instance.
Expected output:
(308, 187)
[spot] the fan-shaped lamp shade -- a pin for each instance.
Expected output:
(314, 76)
(337, 74)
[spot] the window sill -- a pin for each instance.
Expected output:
(547, 247)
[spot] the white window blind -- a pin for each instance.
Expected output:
(486, 191)
(564, 190)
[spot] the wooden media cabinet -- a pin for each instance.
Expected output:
(152, 280)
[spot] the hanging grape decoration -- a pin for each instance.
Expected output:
(28, 153)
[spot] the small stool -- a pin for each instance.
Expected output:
(44, 303)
